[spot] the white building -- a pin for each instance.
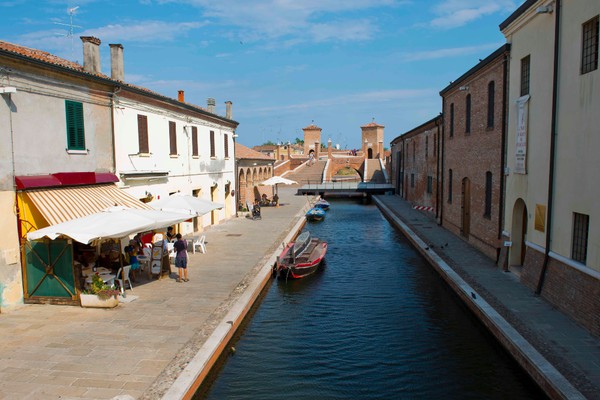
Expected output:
(552, 210)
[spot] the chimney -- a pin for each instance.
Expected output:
(181, 96)
(117, 71)
(228, 109)
(211, 104)
(91, 54)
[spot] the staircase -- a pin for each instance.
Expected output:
(375, 174)
(305, 174)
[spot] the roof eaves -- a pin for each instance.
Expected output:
(517, 13)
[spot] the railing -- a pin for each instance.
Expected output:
(353, 186)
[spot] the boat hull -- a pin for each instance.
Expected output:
(304, 264)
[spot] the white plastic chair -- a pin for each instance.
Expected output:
(124, 278)
(199, 243)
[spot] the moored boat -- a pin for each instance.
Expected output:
(301, 257)
(315, 214)
(322, 204)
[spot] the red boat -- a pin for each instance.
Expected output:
(301, 258)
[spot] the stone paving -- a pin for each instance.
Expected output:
(139, 347)
(568, 347)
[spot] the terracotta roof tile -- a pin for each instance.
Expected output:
(372, 125)
(312, 126)
(243, 152)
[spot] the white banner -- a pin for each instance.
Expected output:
(521, 136)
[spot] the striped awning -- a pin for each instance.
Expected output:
(62, 204)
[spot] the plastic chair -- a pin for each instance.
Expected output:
(124, 278)
(199, 243)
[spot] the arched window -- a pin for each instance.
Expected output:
(488, 195)
(449, 186)
(451, 119)
(491, 105)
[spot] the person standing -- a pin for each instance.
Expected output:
(181, 258)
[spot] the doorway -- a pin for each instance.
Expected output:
(213, 197)
(196, 220)
(466, 207)
(370, 153)
(519, 233)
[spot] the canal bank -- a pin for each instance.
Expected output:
(563, 358)
(141, 348)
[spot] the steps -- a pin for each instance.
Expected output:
(308, 174)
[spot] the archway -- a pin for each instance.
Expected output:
(519, 233)
(466, 207)
(370, 153)
(241, 188)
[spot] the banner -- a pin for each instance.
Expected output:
(521, 136)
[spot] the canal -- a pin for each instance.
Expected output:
(376, 322)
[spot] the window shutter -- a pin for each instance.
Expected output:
(173, 138)
(194, 141)
(143, 134)
(75, 125)
(212, 144)
(226, 145)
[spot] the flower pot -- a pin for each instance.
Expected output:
(93, 301)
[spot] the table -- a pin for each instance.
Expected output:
(90, 271)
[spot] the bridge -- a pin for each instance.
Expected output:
(346, 189)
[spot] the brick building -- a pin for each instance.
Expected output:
(415, 157)
(472, 164)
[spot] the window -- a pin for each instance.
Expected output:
(589, 46)
(172, 138)
(491, 104)
(194, 141)
(143, 146)
(488, 195)
(426, 146)
(414, 151)
(226, 145)
(75, 125)
(525, 64)
(412, 180)
(468, 114)
(212, 144)
(449, 186)
(451, 119)
(429, 184)
(434, 144)
(581, 225)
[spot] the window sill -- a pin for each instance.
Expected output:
(84, 152)
(144, 154)
(174, 155)
(196, 157)
(213, 158)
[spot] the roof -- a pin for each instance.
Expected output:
(483, 63)
(312, 126)
(432, 122)
(372, 125)
(242, 152)
(265, 147)
(39, 56)
(517, 13)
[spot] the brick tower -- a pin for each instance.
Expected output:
(372, 140)
(312, 140)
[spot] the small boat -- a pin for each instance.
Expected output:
(315, 214)
(301, 257)
(323, 204)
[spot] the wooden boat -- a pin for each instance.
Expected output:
(315, 214)
(301, 257)
(322, 204)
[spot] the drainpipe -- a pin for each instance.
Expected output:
(540, 284)
(235, 177)
(503, 149)
(437, 169)
(116, 90)
(442, 161)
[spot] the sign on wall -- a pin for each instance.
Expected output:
(521, 136)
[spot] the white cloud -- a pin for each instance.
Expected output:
(449, 52)
(455, 13)
(143, 31)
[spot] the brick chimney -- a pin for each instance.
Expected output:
(228, 109)
(91, 54)
(210, 102)
(181, 96)
(117, 70)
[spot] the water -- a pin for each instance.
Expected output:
(376, 322)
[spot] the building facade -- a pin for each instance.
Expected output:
(252, 168)
(552, 208)
(472, 163)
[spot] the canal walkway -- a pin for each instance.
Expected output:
(153, 345)
(563, 357)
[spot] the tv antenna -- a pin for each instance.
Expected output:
(71, 12)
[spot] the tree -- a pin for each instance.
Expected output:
(268, 143)
(299, 141)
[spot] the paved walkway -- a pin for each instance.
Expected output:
(140, 347)
(556, 346)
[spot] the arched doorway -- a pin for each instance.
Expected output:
(241, 188)
(214, 192)
(519, 233)
(370, 153)
(466, 207)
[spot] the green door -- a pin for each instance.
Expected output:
(49, 271)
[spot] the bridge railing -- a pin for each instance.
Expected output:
(351, 186)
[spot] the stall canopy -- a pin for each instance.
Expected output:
(184, 203)
(114, 222)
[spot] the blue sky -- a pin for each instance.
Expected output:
(283, 63)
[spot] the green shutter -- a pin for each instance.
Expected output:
(75, 125)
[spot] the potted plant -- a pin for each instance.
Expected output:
(99, 295)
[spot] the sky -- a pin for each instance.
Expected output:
(285, 64)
